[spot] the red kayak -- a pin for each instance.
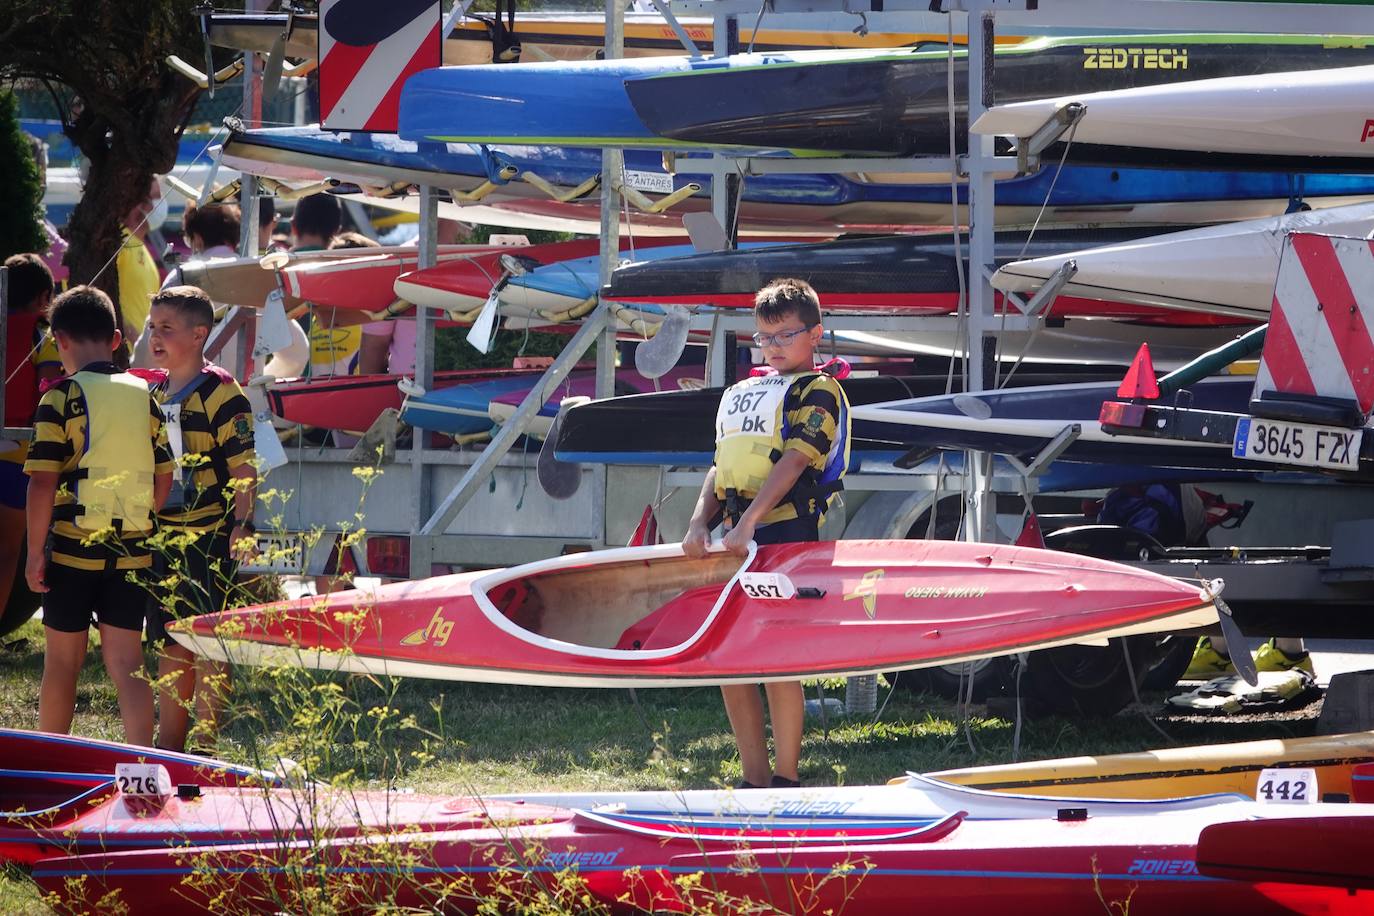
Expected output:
(651, 617)
(366, 282)
(464, 284)
(1324, 851)
(789, 851)
(353, 402)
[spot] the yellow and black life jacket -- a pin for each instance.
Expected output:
(113, 480)
(752, 427)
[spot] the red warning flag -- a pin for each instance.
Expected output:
(1140, 379)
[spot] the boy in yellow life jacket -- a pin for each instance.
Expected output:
(94, 482)
(207, 524)
(782, 445)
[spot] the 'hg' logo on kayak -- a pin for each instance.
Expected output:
(867, 589)
(1162, 867)
(437, 632)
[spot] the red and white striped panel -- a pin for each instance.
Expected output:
(1319, 339)
(367, 50)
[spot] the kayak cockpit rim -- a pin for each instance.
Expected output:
(482, 588)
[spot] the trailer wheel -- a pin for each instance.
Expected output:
(1087, 680)
(990, 678)
(20, 604)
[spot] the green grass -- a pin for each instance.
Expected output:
(486, 739)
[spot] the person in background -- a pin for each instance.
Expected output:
(782, 445)
(95, 481)
(268, 239)
(334, 340)
(315, 223)
(389, 345)
(211, 430)
(31, 357)
(212, 231)
(136, 267)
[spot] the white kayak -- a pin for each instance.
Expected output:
(1312, 113)
(1223, 270)
(1079, 341)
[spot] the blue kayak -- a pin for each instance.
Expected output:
(554, 287)
(777, 202)
(462, 409)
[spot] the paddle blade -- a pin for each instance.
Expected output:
(1140, 379)
(559, 479)
(705, 232)
(379, 442)
(271, 74)
(1235, 641)
(655, 357)
(482, 328)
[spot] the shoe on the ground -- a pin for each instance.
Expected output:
(1271, 658)
(782, 782)
(1207, 663)
(746, 784)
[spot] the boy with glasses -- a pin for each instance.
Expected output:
(782, 445)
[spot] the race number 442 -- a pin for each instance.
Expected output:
(1281, 786)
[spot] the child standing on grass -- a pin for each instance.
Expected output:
(207, 524)
(94, 482)
(782, 445)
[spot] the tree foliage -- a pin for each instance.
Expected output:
(21, 192)
(103, 61)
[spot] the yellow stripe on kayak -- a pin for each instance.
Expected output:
(1176, 772)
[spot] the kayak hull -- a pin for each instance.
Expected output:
(896, 102)
(1222, 270)
(1308, 114)
(1179, 771)
(1022, 421)
(795, 850)
(353, 402)
(907, 274)
(649, 616)
(771, 203)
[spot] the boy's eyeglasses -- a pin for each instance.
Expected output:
(780, 339)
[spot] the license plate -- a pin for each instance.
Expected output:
(278, 553)
(1296, 443)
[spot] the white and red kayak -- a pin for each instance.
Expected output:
(1309, 114)
(365, 282)
(248, 281)
(861, 850)
(464, 284)
(651, 617)
(1220, 270)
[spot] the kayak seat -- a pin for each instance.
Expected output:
(673, 623)
(520, 603)
(35, 791)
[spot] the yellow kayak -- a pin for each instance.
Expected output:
(1176, 772)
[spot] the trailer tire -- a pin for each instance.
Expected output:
(1086, 680)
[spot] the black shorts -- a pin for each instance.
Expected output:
(203, 576)
(791, 531)
(75, 596)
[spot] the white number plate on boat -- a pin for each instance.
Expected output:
(1297, 443)
(1281, 786)
(143, 779)
(774, 586)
